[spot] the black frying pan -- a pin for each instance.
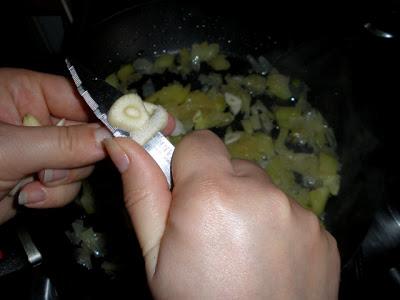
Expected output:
(323, 57)
(327, 56)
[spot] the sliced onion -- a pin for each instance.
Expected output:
(234, 102)
(231, 137)
(261, 66)
(143, 66)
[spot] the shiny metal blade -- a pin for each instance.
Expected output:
(99, 96)
(161, 150)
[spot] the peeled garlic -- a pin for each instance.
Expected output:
(141, 119)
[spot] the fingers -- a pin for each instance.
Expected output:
(146, 194)
(54, 177)
(31, 149)
(36, 195)
(169, 128)
(41, 94)
(199, 154)
(62, 98)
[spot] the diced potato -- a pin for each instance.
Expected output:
(219, 63)
(184, 59)
(211, 119)
(279, 173)
(303, 163)
(170, 95)
(113, 80)
(198, 100)
(255, 122)
(318, 199)
(332, 182)
(286, 115)
(247, 126)
(254, 147)
(278, 85)
(279, 143)
(163, 62)
(125, 73)
(328, 165)
(30, 120)
(204, 51)
(255, 83)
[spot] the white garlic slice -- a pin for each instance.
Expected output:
(141, 119)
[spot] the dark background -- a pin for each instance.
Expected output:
(35, 35)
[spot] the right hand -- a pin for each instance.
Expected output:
(225, 231)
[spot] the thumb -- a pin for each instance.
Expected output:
(26, 150)
(146, 193)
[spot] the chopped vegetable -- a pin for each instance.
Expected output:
(273, 123)
(163, 62)
(318, 199)
(219, 63)
(255, 83)
(247, 126)
(87, 199)
(213, 119)
(143, 66)
(125, 73)
(254, 147)
(173, 94)
(30, 120)
(278, 85)
(286, 115)
(185, 62)
(112, 80)
(204, 52)
(261, 66)
(328, 165)
(234, 102)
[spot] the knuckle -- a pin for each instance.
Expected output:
(280, 204)
(135, 196)
(196, 139)
(67, 140)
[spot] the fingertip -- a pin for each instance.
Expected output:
(170, 127)
(117, 154)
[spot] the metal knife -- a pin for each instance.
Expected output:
(100, 96)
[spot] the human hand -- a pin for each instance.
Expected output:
(225, 231)
(63, 156)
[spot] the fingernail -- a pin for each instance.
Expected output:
(118, 156)
(94, 125)
(101, 134)
(34, 196)
(50, 175)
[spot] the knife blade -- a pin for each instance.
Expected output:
(100, 96)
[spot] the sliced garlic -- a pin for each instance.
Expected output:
(141, 119)
(128, 113)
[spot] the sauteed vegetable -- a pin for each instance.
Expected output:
(261, 114)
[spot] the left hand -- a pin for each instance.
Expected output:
(60, 156)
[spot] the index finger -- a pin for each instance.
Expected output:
(62, 98)
(42, 94)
